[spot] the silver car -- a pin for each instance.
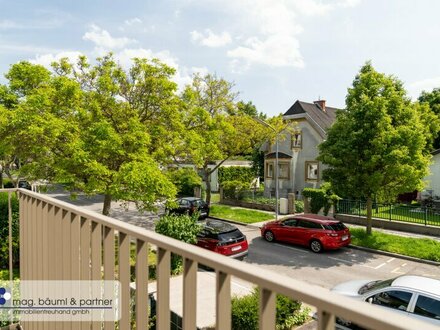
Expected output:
(415, 296)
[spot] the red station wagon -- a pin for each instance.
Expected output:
(316, 231)
(223, 238)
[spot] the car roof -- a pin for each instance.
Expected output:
(418, 283)
(191, 198)
(218, 227)
(317, 218)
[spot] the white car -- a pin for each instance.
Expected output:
(415, 296)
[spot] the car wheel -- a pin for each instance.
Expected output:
(269, 236)
(316, 246)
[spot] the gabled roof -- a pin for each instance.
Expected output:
(320, 119)
(281, 155)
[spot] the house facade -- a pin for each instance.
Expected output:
(433, 179)
(298, 167)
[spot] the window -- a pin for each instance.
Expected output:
(290, 223)
(284, 170)
(296, 140)
(428, 307)
(309, 224)
(312, 171)
(269, 170)
(392, 299)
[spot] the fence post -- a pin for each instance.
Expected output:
(359, 209)
(426, 215)
(390, 211)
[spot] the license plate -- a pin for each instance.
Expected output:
(345, 237)
(236, 248)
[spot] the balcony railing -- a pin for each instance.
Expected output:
(59, 241)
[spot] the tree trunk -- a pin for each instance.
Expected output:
(369, 213)
(206, 179)
(107, 204)
(1, 179)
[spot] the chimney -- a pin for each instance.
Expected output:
(321, 104)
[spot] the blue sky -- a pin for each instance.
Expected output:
(274, 51)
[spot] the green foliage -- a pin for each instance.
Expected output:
(233, 189)
(321, 198)
(299, 206)
(185, 180)
(245, 311)
(4, 231)
(423, 248)
(181, 227)
(378, 144)
(235, 173)
(239, 214)
(433, 100)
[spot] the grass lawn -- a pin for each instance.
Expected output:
(423, 248)
(239, 214)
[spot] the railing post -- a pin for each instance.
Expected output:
(267, 310)
(326, 320)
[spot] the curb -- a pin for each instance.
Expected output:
(396, 255)
(355, 247)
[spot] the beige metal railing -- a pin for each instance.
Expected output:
(59, 241)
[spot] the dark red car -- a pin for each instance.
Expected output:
(316, 231)
(223, 238)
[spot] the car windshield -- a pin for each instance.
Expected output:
(335, 226)
(374, 285)
(198, 202)
(231, 235)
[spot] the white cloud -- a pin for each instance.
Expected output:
(417, 87)
(103, 40)
(47, 59)
(133, 21)
(272, 29)
(211, 39)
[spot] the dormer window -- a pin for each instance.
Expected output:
(296, 140)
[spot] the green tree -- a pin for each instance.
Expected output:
(216, 130)
(433, 99)
(97, 128)
(376, 147)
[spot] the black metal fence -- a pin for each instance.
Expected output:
(392, 212)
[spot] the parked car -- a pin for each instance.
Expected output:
(24, 184)
(415, 296)
(316, 231)
(223, 238)
(190, 205)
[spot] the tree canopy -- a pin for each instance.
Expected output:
(377, 145)
(433, 99)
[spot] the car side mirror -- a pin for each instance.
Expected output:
(370, 300)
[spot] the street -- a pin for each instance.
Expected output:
(325, 269)
(330, 267)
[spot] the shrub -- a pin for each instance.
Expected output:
(185, 180)
(299, 206)
(235, 173)
(4, 231)
(233, 189)
(245, 312)
(321, 198)
(182, 227)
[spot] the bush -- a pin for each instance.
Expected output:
(245, 312)
(8, 184)
(299, 206)
(321, 198)
(182, 227)
(4, 231)
(234, 189)
(185, 180)
(235, 173)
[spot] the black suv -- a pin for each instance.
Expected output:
(189, 205)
